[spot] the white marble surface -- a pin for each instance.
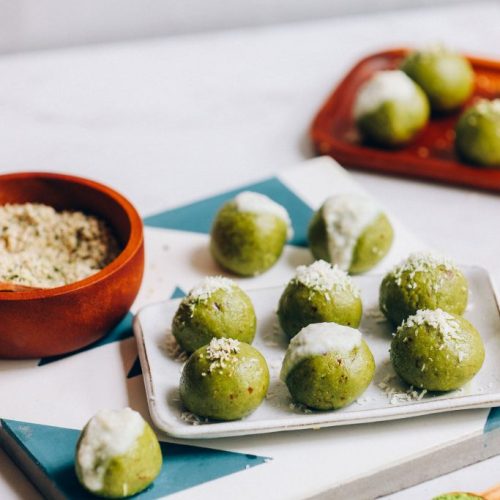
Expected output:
(41, 24)
(167, 121)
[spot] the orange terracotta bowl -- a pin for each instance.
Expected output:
(47, 322)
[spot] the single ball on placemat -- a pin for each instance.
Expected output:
(118, 454)
(351, 231)
(249, 233)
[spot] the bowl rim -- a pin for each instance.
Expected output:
(133, 245)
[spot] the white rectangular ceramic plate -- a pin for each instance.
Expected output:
(386, 398)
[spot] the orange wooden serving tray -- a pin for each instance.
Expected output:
(431, 156)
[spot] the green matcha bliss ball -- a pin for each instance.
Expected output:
(217, 307)
(118, 454)
(249, 233)
(459, 496)
(327, 366)
(446, 77)
(390, 109)
(316, 294)
(437, 351)
(225, 380)
(351, 231)
(423, 281)
(477, 138)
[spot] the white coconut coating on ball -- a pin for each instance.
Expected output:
(346, 217)
(318, 339)
(258, 203)
(110, 433)
(382, 87)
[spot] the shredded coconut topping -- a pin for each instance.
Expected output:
(221, 352)
(422, 262)
(396, 396)
(258, 203)
(172, 349)
(443, 322)
(192, 419)
(323, 277)
(383, 86)
(318, 339)
(207, 287)
(110, 433)
(346, 216)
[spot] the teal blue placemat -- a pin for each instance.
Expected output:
(52, 449)
(493, 420)
(197, 217)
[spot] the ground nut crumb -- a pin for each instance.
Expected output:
(44, 248)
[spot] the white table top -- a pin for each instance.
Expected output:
(168, 121)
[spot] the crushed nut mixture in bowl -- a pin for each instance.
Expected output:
(43, 248)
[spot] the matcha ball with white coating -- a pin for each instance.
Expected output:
(447, 78)
(217, 307)
(437, 351)
(327, 366)
(316, 294)
(390, 109)
(477, 138)
(249, 233)
(423, 281)
(351, 231)
(225, 380)
(118, 454)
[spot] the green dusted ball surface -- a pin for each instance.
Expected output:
(318, 237)
(437, 351)
(327, 296)
(230, 390)
(247, 243)
(423, 281)
(226, 312)
(477, 137)
(446, 77)
(372, 246)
